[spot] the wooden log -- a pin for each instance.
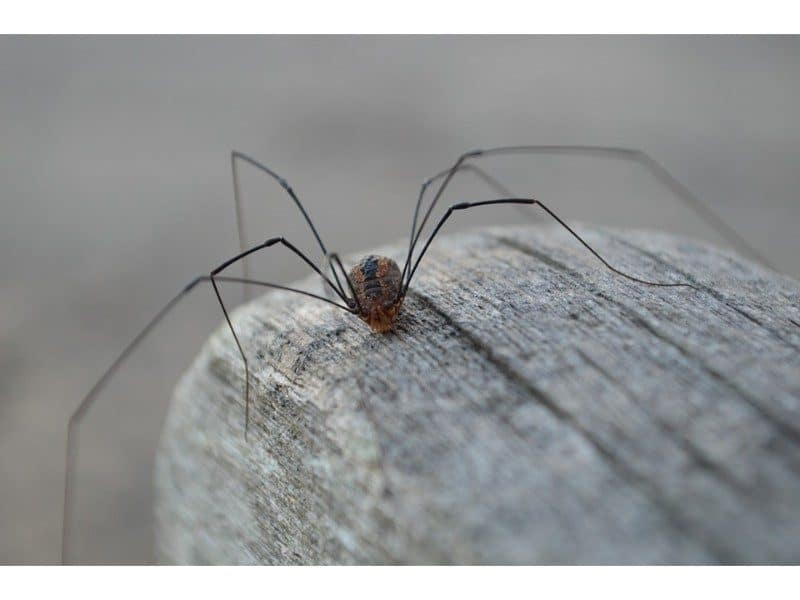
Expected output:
(532, 407)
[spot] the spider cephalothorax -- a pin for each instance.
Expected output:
(377, 283)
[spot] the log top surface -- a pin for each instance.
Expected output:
(530, 407)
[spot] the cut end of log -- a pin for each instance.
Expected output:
(531, 407)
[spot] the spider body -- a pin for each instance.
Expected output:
(378, 288)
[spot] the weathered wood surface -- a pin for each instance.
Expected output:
(532, 407)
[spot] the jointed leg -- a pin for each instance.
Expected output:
(637, 156)
(242, 255)
(79, 413)
(492, 182)
(238, 156)
(532, 202)
(280, 240)
(334, 257)
(77, 416)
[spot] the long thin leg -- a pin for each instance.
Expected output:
(489, 180)
(213, 277)
(492, 182)
(239, 156)
(280, 240)
(236, 157)
(241, 256)
(77, 416)
(637, 156)
(329, 265)
(532, 202)
(334, 257)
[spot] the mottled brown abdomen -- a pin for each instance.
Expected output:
(377, 283)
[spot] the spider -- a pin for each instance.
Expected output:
(376, 285)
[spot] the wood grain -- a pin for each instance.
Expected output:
(532, 407)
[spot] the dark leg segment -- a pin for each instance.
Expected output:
(78, 415)
(492, 182)
(628, 154)
(333, 257)
(239, 156)
(532, 202)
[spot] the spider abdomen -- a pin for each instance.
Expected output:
(377, 283)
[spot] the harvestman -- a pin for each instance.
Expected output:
(376, 286)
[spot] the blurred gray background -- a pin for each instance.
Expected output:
(115, 191)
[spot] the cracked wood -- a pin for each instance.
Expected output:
(531, 407)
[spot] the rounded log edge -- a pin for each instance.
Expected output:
(531, 407)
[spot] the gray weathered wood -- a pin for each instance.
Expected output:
(532, 407)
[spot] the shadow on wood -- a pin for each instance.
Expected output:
(531, 407)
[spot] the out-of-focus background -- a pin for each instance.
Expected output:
(115, 191)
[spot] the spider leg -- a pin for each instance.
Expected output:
(237, 156)
(532, 202)
(638, 156)
(87, 402)
(489, 180)
(280, 240)
(334, 257)
(330, 266)
(242, 255)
